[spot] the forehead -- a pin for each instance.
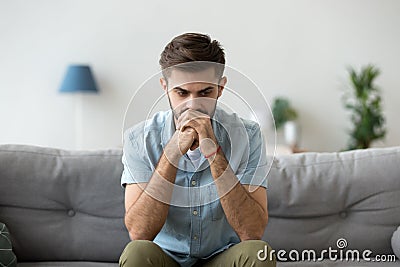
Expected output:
(185, 78)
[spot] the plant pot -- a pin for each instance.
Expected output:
(291, 132)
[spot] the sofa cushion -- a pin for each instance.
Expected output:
(314, 199)
(63, 205)
(7, 257)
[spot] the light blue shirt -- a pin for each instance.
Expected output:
(196, 226)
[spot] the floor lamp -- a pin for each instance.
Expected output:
(78, 79)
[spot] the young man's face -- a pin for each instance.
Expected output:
(193, 90)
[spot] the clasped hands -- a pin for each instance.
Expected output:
(193, 130)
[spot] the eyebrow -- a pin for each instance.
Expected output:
(201, 91)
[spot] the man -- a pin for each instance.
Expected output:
(189, 172)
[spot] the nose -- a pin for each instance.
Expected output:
(191, 103)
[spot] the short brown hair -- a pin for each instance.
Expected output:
(191, 47)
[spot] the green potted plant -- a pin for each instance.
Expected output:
(365, 105)
(282, 112)
(285, 116)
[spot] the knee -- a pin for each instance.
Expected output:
(256, 252)
(140, 253)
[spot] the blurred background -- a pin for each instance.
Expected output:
(300, 50)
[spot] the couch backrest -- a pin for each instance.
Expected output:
(315, 199)
(69, 205)
(62, 205)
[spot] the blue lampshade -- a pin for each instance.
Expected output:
(78, 78)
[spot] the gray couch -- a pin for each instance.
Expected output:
(66, 208)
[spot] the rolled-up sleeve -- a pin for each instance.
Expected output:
(137, 167)
(254, 168)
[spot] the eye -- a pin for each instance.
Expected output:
(181, 93)
(207, 92)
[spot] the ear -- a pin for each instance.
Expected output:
(221, 85)
(164, 84)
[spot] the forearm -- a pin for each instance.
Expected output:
(244, 214)
(147, 215)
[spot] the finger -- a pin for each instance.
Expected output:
(200, 114)
(194, 145)
(190, 123)
(195, 135)
(193, 114)
(192, 132)
(188, 116)
(192, 138)
(196, 142)
(183, 117)
(179, 123)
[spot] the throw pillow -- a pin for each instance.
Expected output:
(7, 257)
(396, 242)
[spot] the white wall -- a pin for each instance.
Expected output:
(299, 49)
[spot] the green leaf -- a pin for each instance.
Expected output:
(365, 105)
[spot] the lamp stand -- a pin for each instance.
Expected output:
(78, 121)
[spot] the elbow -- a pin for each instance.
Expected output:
(256, 230)
(265, 219)
(259, 230)
(132, 236)
(264, 224)
(256, 234)
(135, 234)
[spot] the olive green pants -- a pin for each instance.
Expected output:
(143, 253)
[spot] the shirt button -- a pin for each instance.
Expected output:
(195, 237)
(193, 182)
(71, 213)
(195, 212)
